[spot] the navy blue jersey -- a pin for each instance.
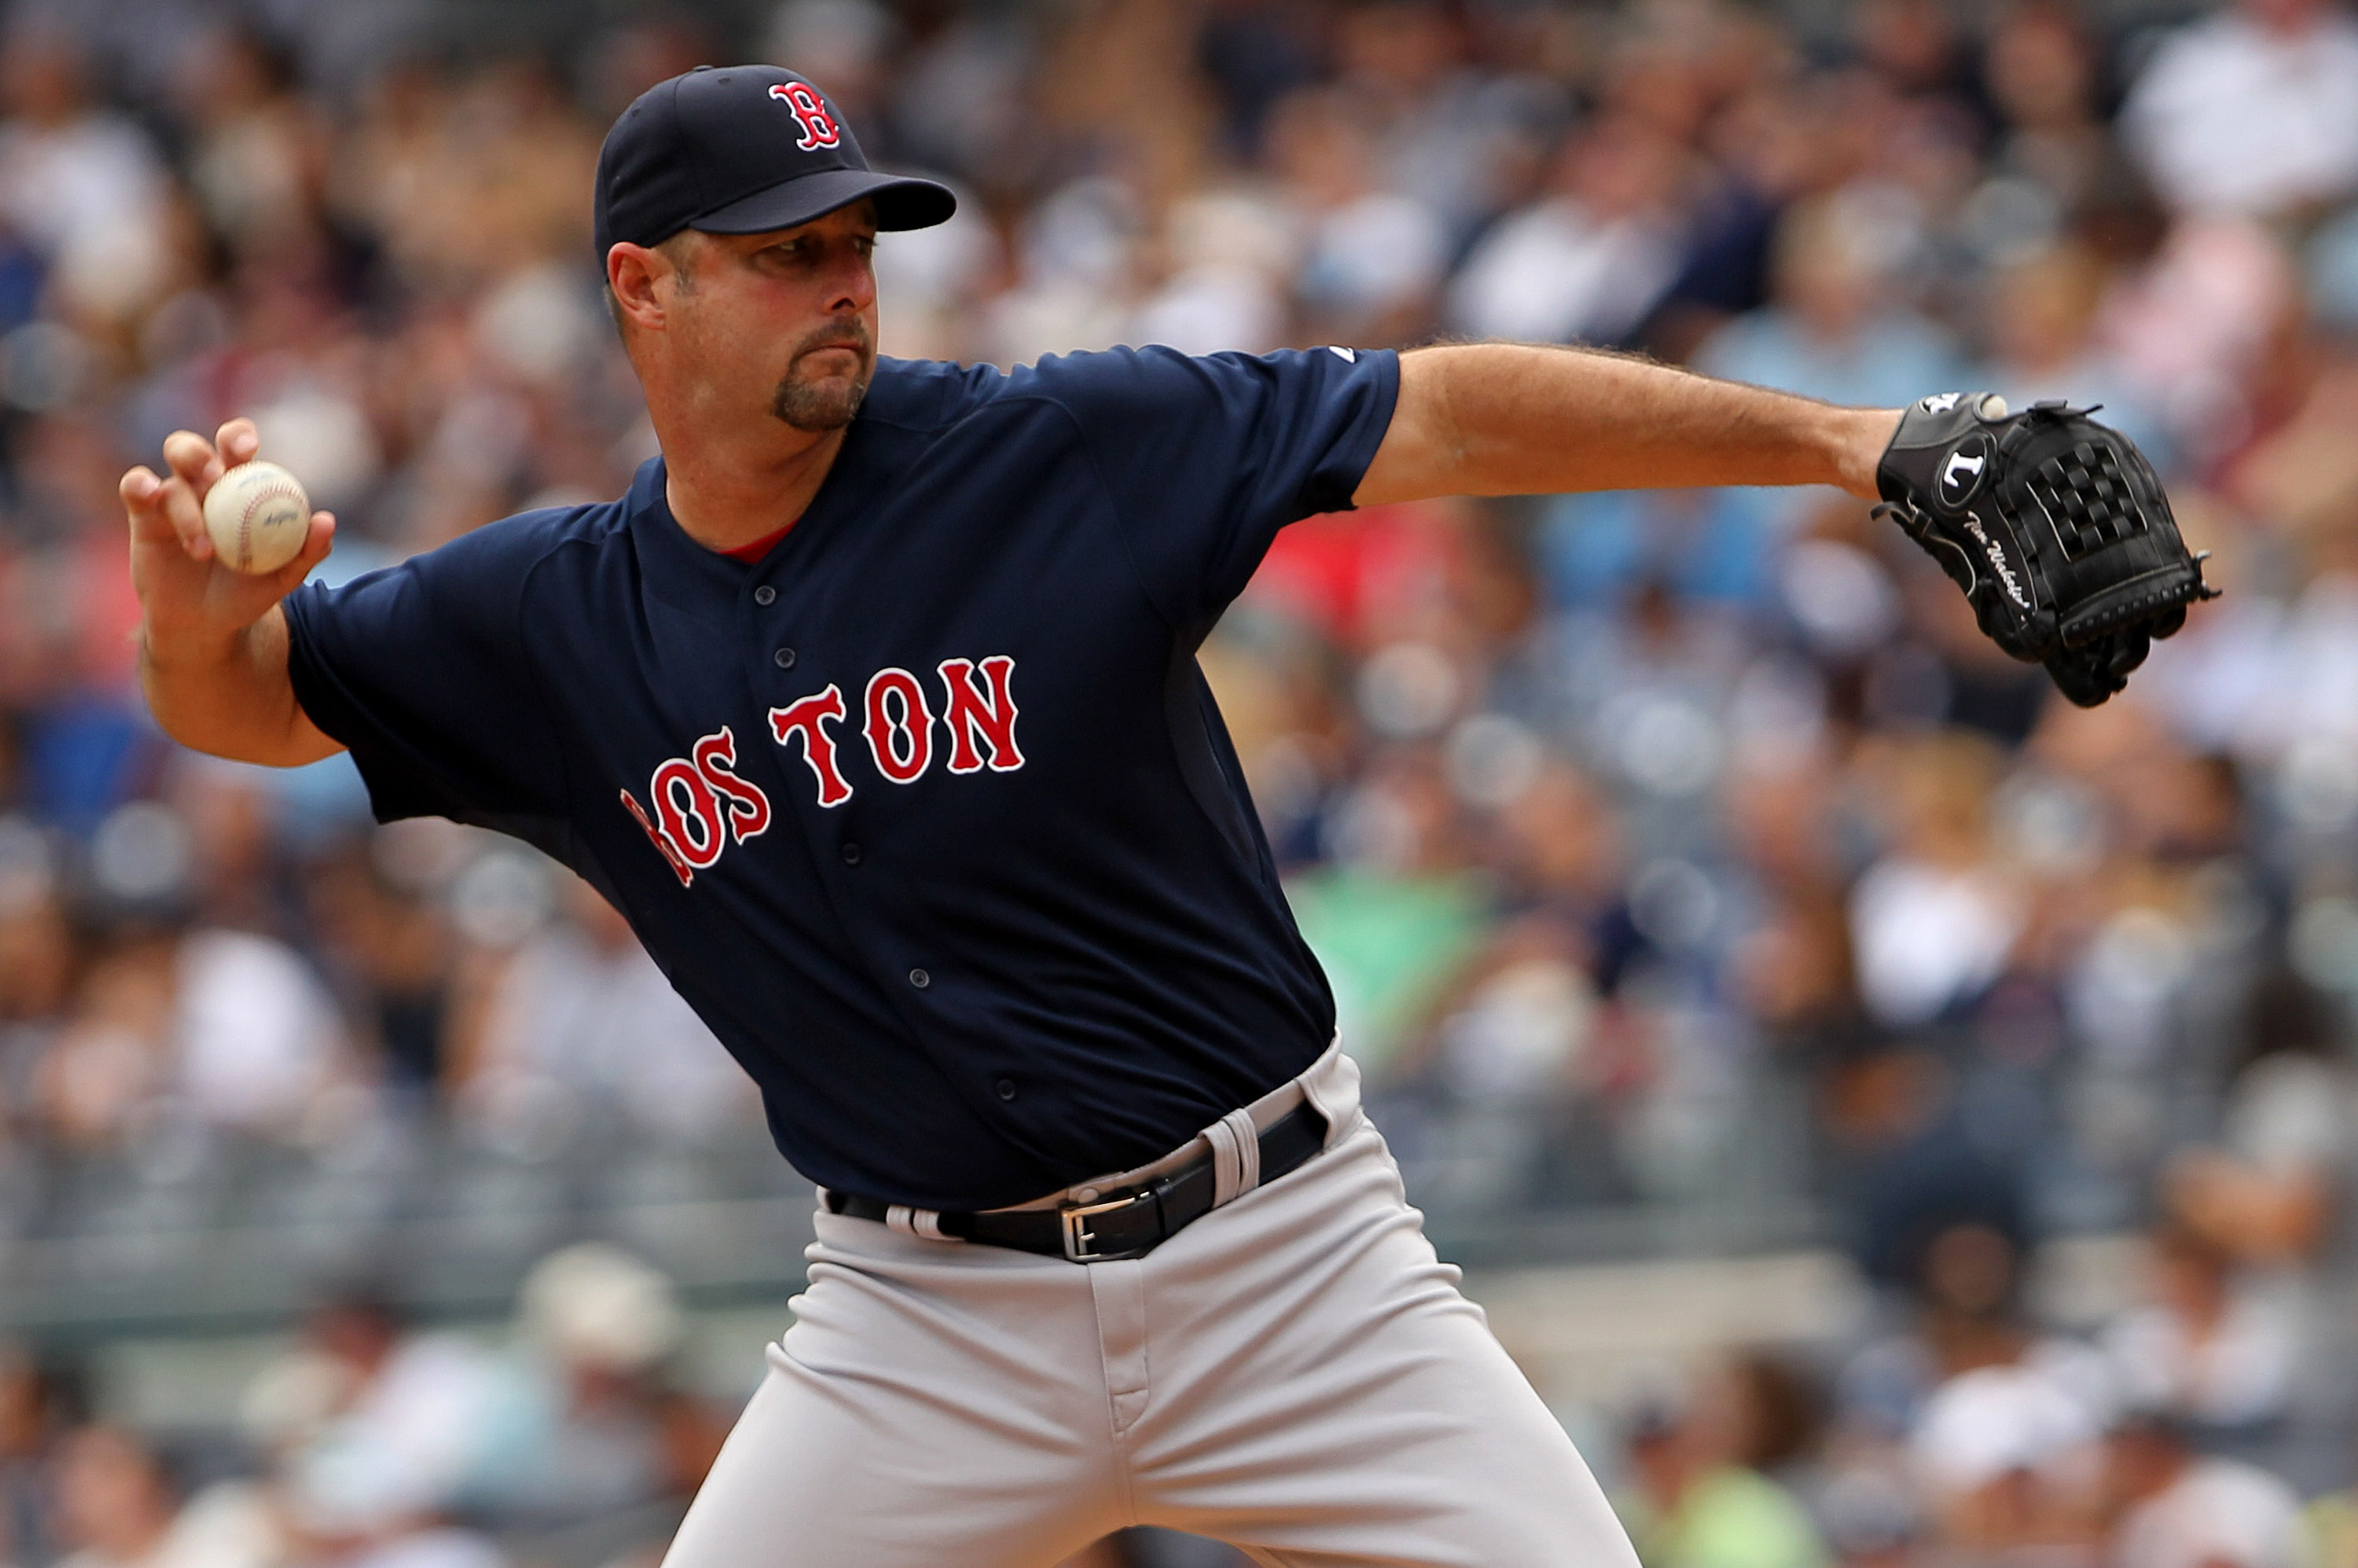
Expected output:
(929, 813)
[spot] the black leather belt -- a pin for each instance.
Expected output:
(1128, 1222)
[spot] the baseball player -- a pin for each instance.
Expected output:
(873, 706)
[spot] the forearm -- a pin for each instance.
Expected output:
(228, 693)
(1509, 419)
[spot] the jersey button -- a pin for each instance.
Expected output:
(1004, 1088)
(919, 979)
(851, 854)
(765, 595)
(784, 658)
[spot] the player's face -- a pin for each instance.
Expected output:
(790, 315)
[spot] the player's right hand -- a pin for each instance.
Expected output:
(185, 594)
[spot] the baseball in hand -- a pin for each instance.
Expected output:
(258, 517)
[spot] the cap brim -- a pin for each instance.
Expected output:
(901, 202)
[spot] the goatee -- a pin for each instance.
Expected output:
(829, 404)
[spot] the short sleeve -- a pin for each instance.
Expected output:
(419, 670)
(1208, 457)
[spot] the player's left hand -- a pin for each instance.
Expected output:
(2052, 523)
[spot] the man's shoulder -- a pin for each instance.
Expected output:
(928, 395)
(514, 545)
(937, 393)
(545, 528)
(1119, 394)
(481, 575)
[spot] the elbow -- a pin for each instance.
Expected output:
(172, 718)
(189, 730)
(266, 745)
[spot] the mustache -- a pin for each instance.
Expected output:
(854, 335)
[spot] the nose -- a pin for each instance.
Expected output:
(851, 283)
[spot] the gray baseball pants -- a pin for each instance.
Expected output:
(1296, 1373)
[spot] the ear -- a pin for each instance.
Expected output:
(632, 272)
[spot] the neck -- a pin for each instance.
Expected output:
(726, 490)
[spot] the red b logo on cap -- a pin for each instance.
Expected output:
(819, 129)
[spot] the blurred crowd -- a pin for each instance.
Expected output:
(374, 1440)
(1665, 849)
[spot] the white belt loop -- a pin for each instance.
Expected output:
(1332, 1084)
(1236, 1156)
(925, 1222)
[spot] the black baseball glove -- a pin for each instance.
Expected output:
(2053, 524)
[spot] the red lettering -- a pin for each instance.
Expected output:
(747, 808)
(904, 743)
(969, 714)
(688, 811)
(808, 719)
(819, 129)
(654, 835)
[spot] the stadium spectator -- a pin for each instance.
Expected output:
(1588, 263)
(2253, 110)
(1372, 256)
(2049, 1392)
(580, 1024)
(2211, 1349)
(118, 1507)
(39, 1404)
(1842, 327)
(2175, 1509)
(2270, 1191)
(1935, 919)
(586, 1421)
(217, 1028)
(81, 182)
(376, 1428)
(1703, 1501)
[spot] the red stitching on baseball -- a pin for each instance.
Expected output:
(245, 520)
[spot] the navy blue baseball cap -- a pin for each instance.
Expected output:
(740, 149)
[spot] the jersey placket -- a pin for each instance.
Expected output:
(815, 723)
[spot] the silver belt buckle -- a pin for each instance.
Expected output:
(1079, 1240)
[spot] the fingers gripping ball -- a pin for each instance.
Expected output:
(257, 516)
(2055, 527)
